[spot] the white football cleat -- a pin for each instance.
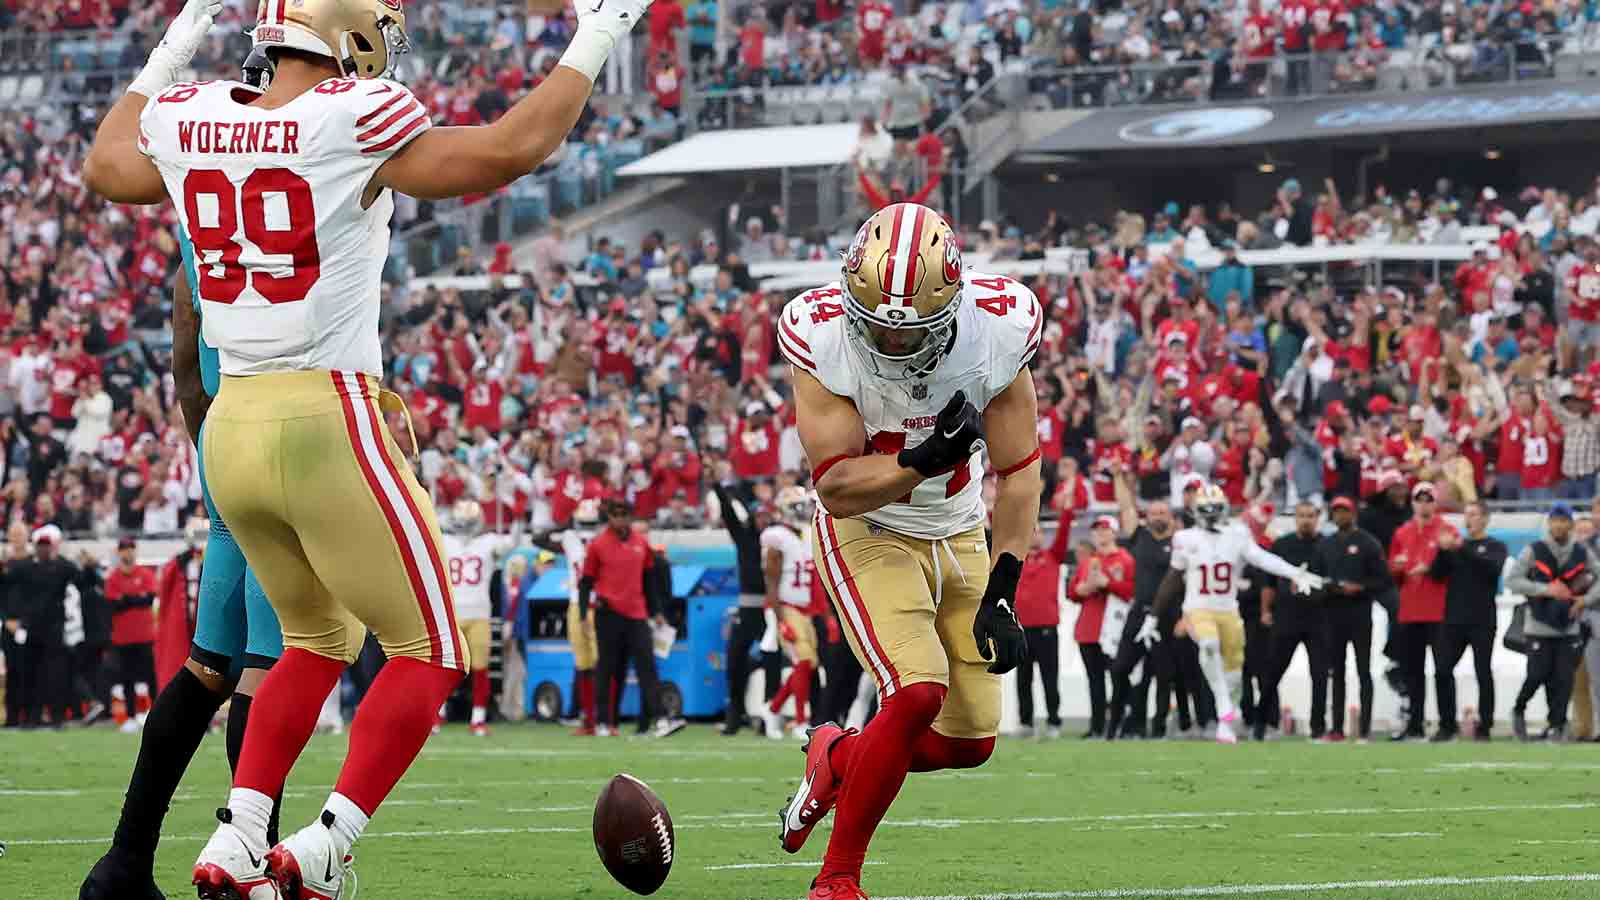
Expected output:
(772, 724)
(307, 865)
(229, 868)
(1225, 733)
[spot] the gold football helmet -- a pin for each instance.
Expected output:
(902, 290)
(467, 516)
(361, 36)
(1211, 506)
(794, 505)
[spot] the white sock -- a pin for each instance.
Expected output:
(348, 822)
(1235, 681)
(479, 715)
(251, 810)
(1211, 666)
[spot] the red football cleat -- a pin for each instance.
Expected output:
(817, 792)
(840, 888)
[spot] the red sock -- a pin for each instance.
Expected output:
(141, 699)
(391, 725)
(586, 696)
(784, 690)
(480, 687)
(933, 751)
(282, 717)
(799, 685)
(877, 761)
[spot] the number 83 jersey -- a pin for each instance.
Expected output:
(997, 332)
(290, 239)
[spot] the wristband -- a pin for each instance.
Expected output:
(588, 51)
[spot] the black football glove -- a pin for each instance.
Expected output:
(996, 621)
(957, 434)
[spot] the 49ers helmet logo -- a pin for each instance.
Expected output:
(392, 4)
(858, 250)
(952, 262)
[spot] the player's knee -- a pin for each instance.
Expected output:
(971, 753)
(214, 681)
(919, 702)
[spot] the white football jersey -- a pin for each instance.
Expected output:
(997, 331)
(1213, 563)
(471, 568)
(573, 545)
(289, 259)
(794, 585)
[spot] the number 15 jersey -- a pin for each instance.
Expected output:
(289, 258)
(997, 332)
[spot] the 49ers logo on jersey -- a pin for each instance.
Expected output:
(952, 262)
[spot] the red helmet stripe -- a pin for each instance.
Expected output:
(913, 253)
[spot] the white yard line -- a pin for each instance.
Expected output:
(1369, 834)
(739, 867)
(1240, 890)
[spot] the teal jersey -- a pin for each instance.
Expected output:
(210, 366)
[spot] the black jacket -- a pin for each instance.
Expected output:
(658, 585)
(1382, 519)
(741, 525)
(36, 595)
(1354, 556)
(1473, 573)
(1288, 605)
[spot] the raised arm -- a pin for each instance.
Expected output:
(115, 168)
(451, 162)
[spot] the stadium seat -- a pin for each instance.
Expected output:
(32, 88)
(8, 89)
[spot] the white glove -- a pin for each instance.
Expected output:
(177, 47)
(601, 23)
(1148, 634)
(1306, 582)
(769, 638)
(20, 636)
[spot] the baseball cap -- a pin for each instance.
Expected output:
(1380, 405)
(1192, 422)
(755, 408)
(1561, 511)
(1417, 413)
(1343, 502)
(1337, 410)
(1423, 487)
(127, 543)
(1104, 522)
(1490, 193)
(680, 431)
(47, 534)
(619, 305)
(1193, 483)
(1388, 479)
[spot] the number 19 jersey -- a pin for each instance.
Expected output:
(997, 331)
(289, 258)
(1213, 562)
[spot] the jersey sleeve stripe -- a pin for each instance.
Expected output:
(793, 338)
(398, 136)
(795, 356)
(375, 113)
(386, 124)
(1038, 321)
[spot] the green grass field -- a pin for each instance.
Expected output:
(508, 817)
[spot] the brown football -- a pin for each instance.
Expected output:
(633, 834)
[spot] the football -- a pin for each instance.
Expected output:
(633, 834)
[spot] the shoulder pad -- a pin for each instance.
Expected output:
(811, 335)
(1012, 318)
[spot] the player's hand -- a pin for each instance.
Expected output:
(1149, 633)
(177, 47)
(613, 17)
(833, 630)
(957, 434)
(1182, 628)
(1307, 582)
(995, 628)
(1558, 590)
(786, 632)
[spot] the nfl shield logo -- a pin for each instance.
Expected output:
(919, 391)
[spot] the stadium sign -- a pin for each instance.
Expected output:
(1519, 104)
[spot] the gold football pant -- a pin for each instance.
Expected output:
(804, 646)
(330, 515)
(907, 606)
(580, 634)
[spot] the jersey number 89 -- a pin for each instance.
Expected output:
(217, 249)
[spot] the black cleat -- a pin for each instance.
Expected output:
(120, 875)
(1519, 725)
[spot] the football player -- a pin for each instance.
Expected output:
(287, 196)
(1208, 559)
(473, 556)
(900, 368)
(236, 636)
(786, 555)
